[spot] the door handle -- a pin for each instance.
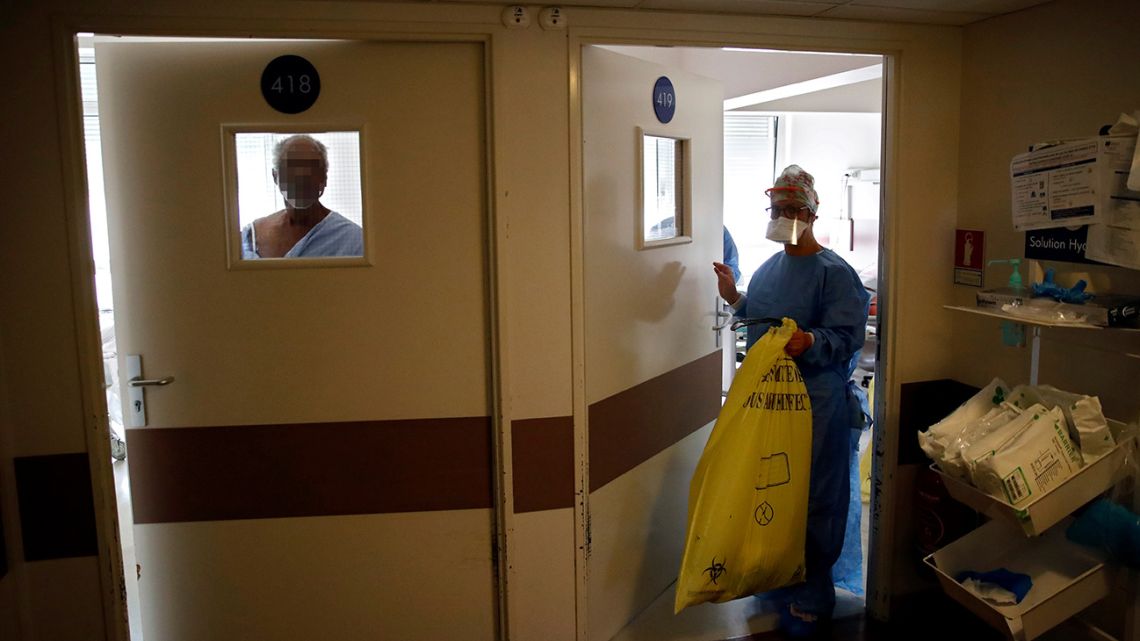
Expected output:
(139, 381)
(720, 315)
(135, 408)
(726, 323)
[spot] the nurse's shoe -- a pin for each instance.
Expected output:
(800, 625)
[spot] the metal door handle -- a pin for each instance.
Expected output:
(139, 381)
(726, 323)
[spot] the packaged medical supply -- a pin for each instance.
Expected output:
(1102, 310)
(952, 461)
(935, 440)
(985, 446)
(1085, 419)
(1036, 460)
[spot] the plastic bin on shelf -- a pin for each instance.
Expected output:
(1067, 577)
(1041, 513)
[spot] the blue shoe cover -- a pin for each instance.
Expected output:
(779, 595)
(795, 627)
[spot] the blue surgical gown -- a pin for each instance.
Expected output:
(731, 255)
(824, 295)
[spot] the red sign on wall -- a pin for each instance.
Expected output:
(969, 256)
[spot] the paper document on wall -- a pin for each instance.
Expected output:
(1055, 186)
(1076, 182)
(1114, 245)
(1129, 125)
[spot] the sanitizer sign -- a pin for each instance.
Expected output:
(1066, 244)
(969, 256)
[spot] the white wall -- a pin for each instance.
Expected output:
(827, 145)
(1058, 70)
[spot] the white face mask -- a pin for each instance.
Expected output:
(301, 192)
(786, 230)
(299, 203)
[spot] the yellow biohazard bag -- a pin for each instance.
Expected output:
(748, 497)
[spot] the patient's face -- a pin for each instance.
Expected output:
(300, 176)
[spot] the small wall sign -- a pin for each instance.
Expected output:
(290, 84)
(664, 99)
(969, 257)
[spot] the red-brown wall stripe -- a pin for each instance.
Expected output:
(632, 426)
(542, 451)
(309, 469)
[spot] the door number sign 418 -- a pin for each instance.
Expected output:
(290, 84)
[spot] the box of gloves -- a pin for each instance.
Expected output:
(1030, 455)
(1021, 586)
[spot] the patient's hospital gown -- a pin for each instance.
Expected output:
(335, 235)
(824, 295)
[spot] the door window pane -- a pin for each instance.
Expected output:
(663, 200)
(286, 178)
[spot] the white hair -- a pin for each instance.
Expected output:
(279, 150)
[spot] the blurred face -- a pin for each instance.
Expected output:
(300, 176)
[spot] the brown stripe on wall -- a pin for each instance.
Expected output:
(309, 469)
(57, 511)
(632, 426)
(542, 452)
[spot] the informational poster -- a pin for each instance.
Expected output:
(1055, 186)
(1074, 183)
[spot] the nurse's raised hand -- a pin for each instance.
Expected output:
(725, 282)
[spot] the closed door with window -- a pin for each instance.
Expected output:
(320, 466)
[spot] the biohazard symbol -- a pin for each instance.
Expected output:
(716, 570)
(764, 513)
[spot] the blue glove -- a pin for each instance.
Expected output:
(1049, 289)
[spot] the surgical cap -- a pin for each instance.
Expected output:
(797, 185)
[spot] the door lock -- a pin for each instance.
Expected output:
(136, 390)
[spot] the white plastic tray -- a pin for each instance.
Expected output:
(1046, 510)
(1067, 577)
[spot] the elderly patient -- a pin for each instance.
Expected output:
(305, 228)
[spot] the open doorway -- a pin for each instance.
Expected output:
(824, 112)
(104, 295)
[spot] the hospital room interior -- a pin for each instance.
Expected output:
(400, 320)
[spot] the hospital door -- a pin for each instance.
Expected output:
(320, 465)
(652, 183)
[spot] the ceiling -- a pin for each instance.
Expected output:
(935, 12)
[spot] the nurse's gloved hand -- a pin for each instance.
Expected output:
(799, 343)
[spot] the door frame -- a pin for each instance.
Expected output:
(884, 494)
(69, 114)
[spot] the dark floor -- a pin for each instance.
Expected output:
(928, 616)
